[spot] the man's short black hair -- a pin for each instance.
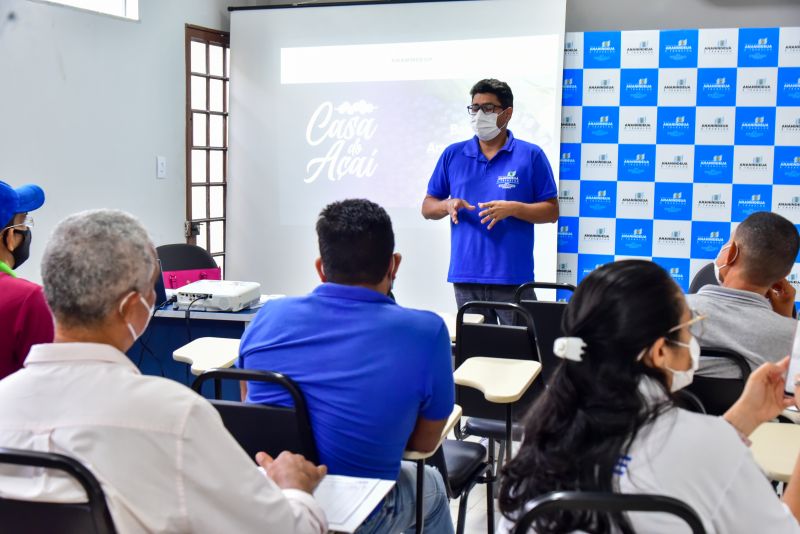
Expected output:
(356, 241)
(769, 245)
(499, 89)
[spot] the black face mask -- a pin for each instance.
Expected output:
(23, 251)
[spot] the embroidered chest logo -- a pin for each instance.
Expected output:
(509, 181)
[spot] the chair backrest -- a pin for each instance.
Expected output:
(90, 517)
(719, 394)
(260, 427)
(494, 341)
(609, 503)
(183, 256)
(529, 286)
(547, 317)
(705, 276)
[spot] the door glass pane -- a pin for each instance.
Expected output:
(217, 202)
(202, 241)
(199, 203)
(199, 127)
(198, 57)
(221, 264)
(215, 60)
(198, 92)
(198, 165)
(216, 130)
(215, 95)
(227, 62)
(215, 165)
(217, 234)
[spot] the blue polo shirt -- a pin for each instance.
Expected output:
(519, 171)
(367, 367)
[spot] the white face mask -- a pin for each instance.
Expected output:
(717, 268)
(149, 308)
(681, 379)
(485, 125)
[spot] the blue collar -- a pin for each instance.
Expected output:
(472, 148)
(342, 291)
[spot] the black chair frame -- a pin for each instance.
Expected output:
(300, 409)
(608, 502)
(519, 293)
(92, 516)
(482, 474)
(719, 394)
(460, 357)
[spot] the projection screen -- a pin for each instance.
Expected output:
(358, 101)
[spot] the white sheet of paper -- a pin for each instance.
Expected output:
(348, 501)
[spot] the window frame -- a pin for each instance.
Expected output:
(208, 37)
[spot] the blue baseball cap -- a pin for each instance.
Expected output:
(20, 200)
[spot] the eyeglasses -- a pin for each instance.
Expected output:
(487, 108)
(695, 325)
(28, 222)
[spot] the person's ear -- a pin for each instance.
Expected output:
(656, 355)
(505, 117)
(732, 254)
(395, 265)
(320, 270)
(126, 306)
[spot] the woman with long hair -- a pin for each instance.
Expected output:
(607, 421)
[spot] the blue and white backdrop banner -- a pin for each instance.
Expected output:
(670, 138)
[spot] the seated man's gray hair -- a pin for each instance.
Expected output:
(92, 259)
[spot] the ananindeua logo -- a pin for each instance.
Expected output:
(509, 181)
(718, 125)
(759, 49)
(711, 242)
(721, 47)
(600, 234)
(676, 275)
(674, 238)
(636, 238)
(603, 51)
(714, 166)
(638, 164)
(678, 50)
(637, 199)
(566, 197)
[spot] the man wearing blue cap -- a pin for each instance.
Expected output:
(25, 318)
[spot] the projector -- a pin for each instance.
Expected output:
(218, 295)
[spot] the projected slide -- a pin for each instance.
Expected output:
(334, 102)
(371, 120)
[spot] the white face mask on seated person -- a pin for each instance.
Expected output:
(718, 268)
(682, 378)
(147, 306)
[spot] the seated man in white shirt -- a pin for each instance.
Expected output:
(750, 312)
(165, 461)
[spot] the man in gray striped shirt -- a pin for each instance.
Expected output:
(750, 312)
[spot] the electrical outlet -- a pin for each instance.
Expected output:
(161, 167)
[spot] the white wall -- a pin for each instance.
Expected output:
(87, 101)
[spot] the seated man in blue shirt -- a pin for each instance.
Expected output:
(377, 377)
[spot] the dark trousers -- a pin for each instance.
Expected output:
(489, 292)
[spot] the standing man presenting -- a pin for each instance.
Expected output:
(494, 188)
